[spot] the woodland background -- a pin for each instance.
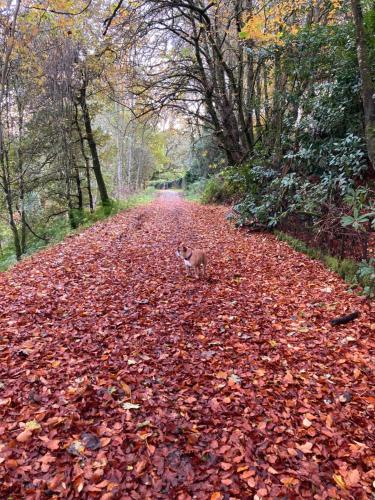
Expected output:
(266, 105)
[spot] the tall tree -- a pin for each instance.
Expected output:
(8, 39)
(367, 84)
(82, 99)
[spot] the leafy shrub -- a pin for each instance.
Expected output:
(363, 209)
(366, 275)
(218, 189)
(195, 190)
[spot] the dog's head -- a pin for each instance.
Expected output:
(182, 250)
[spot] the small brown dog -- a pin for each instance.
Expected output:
(195, 260)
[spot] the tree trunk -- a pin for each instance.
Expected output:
(86, 159)
(258, 101)
(6, 185)
(120, 149)
(21, 179)
(4, 176)
(23, 217)
(368, 88)
(276, 112)
(105, 200)
(79, 189)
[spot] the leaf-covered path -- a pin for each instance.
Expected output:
(122, 378)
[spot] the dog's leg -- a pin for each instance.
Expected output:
(187, 270)
(203, 270)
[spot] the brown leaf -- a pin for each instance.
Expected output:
(288, 378)
(53, 444)
(352, 478)
(140, 467)
(289, 481)
(24, 436)
(306, 423)
(225, 465)
(306, 447)
(329, 421)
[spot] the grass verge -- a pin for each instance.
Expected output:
(349, 270)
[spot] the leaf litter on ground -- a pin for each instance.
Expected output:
(120, 376)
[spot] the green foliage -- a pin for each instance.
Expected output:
(7, 258)
(366, 275)
(346, 268)
(357, 220)
(264, 195)
(323, 148)
(195, 190)
(206, 158)
(299, 245)
(118, 206)
(218, 189)
(363, 209)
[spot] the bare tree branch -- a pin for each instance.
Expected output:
(62, 12)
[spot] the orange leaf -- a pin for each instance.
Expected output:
(225, 465)
(24, 436)
(11, 464)
(329, 421)
(53, 444)
(242, 468)
(140, 467)
(126, 389)
(248, 474)
(352, 478)
(289, 481)
(305, 448)
(105, 441)
(288, 378)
